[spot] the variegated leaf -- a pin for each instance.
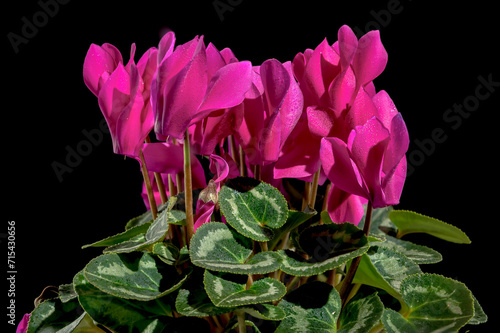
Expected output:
(216, 247)
(312, 308)
(133, 276)
(253, 208)
(226, 293)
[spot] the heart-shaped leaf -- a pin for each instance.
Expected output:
(295, 265)
(253, 208)
(118, 314)
(313, 307)
(216, 247)
(323, 241)
(133, 276)
(435, 304)
(361, 314)
(385, 269)
(226, 293)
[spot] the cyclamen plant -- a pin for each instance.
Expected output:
(269, 193)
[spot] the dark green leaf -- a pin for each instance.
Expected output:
(133, 276)
(215, 246)
(253, 208)
(313, 307)
(121, 315)
(361, 314)
(226, 293)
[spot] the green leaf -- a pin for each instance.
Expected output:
(119, 314)
(55, 316)
(167, 252)
(226, 293)
(253, 208)
(133, 276)
(361, 314)
(216, 247)
(195, 303)
(148, 216)
(313, 307)
(436, 304)
(411, 222)
(394, 322)
(264, 311)
(419, 254)
(155, 233)
(67, 292)
(295, 265)
(323, 241)
(293, 221)
(385, 269)
(480, 316)
(121, 237)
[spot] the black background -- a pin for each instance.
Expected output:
(436, 54)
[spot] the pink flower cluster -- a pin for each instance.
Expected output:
(319, 113)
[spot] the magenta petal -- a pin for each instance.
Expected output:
(392, 185)
(226, 89)
(348, 44)
(23, 324)
(147, 67)
(163, 157)
(339, 168)
(114, 96)
(386, 110)
(219, 166)
(203, 214)
(292, 106)
(183, 95)
(99, 60)
(215, 61)
(166, 46)
(271, 138)
(398, 146)
(320, 121)
(276, 82)
(361, 111)
(344, 207)
(370, 59)
(367, 151)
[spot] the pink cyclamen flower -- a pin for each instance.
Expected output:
(372, 163)
(188, 87)
(271, 110)
(208, 198)
(123, 91)
(336, 82)
(23, 324)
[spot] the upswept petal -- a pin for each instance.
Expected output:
(392, 185)
(320, 121)
(227, 88)
(370, 59)
(114, 96)
(344, 207)
(183, 93)
(367, 148)
(166, 46)
(163, 157)
(98, 61)
(339, 168)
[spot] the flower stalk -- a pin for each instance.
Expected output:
(188, 189)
